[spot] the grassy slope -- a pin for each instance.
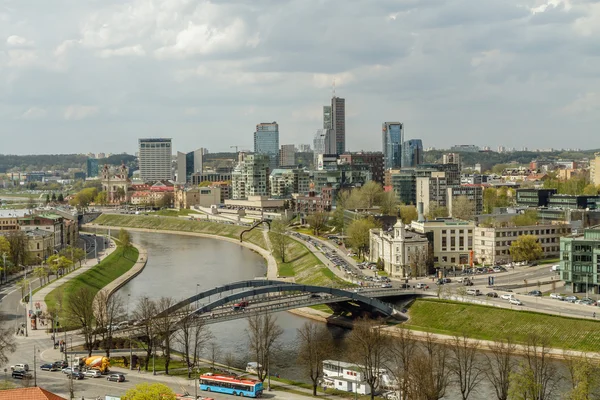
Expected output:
(182, 225)
(99, 276)
(491, 323)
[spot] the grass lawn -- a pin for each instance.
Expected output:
(182, 225)
(491, 323)
(175, 213)
(112, 267)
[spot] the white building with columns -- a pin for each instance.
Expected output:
(404, 253)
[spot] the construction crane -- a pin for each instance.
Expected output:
(237, 148)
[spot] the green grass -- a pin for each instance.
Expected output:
(112, 267)
(491, 323)
(175, 213)
(182, 225)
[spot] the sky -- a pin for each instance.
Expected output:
(80, 76)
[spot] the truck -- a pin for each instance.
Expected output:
(100, 363)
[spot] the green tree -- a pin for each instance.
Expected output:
(4, 246)
(583, 374)
(358, 234)
(18, 247)
(369, 193)
(317, 221)
(150, 391)
(388, 203)
(526, 248)
(125, 239)
(436, 211)
(529, 217)
(590, 190)
(408, 214)
(47, 198)
(41, 274)
(60, 198)
(53, 196)
(463, 208)
(84, 197)
(101, 198)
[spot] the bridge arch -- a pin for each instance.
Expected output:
(255, 225)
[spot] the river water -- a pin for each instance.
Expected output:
(179, 266)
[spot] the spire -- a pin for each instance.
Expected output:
(333, 87)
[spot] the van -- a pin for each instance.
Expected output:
(473, 292)
(555, 268)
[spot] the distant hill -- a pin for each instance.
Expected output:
(52, 162)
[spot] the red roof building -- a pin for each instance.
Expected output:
(32, 393)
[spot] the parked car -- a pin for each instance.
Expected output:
(557, 296)
(61, 364)
(492, 294)
(507, 296)
(515, 301)
(76, 374)
(535, 293)
(21, 374)
(421, 285)
(49, 367)
(93, 373)
(571, 299)
(20, 367)
(69, 370)
(116, 378)
(386, 285)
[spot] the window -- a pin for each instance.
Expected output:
(452, 242)
(483, 242)
(461, 242)
(453, 260)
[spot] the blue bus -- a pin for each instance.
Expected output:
(231, 385)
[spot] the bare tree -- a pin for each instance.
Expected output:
(107, 309)
(263, 334)
(500, 365)
(80, 309)
(192, 335)
(315, 347)
(279, 239)
(403, 348)
(317, 221)
(7, 344)
(537, 377)
(144, 311)
(368, 346)
(213, 352)
(464, 365)
(429, 371)
(164, 327)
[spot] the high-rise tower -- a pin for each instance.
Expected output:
(393, 136)
(338, 123)
(155, 159)
(266, 141)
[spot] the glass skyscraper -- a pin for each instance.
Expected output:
(266, 141)
(412, 153)
(393, 136)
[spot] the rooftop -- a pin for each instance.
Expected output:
(32, 393)
(12, 213)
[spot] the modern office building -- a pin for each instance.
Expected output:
(251, 176)
(189, 164)
(266, 141)
(373, 159)
(323, 143)
(580, 261)
(412, 153)
(574, 202)
(530, 197)
(287, 155)
(155, 159)
(327, 121)
(304, 148)
(92, 169)
(451, 158)
(392, 134)
(338, 123)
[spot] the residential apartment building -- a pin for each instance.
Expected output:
(49, 222)
(473, 193)
(373, 159)
(287, 155)
(580, 261)
(9, 220)
(155, 159)
(251, 176)
(404, 253)
(266, 142)
(434, 188)
(189, 164)
(492, 245)
(217, 176)
(412, 153)
(392, 134)
(451, 240)
(285, 182)
(313, 202)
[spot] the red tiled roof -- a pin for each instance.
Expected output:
(32, 393)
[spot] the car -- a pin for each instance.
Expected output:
(386, 285)
(21, 374)
(507, 296)
(404, 286)
(61, 364)
(20, 367)
(473, 292)
(241, 305)
(421, 285)
(116, 378)
(571, 299)
(492, 294)
(93, 373)
(557, 296)
(69, 370)
(515, 301)
(49, 367)
(535, 293)
(76, 374)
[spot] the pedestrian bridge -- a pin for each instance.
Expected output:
(217, 304)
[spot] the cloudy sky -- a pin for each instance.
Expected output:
(81, 76)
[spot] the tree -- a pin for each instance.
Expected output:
(370, 192)
(80, 311)
(529, 217)
(388, 203)
(590, 190)
(107, 308)
(18, 247)
(263, 334)
(40, 273)
(583, 374)
(101, 198)
(165, 201)
(60, 198)
(7, 344)
(537, 377)
(84, 197)
(464, 365)
(358, 234)
(213, 351)
(317, 221)
(192, 336)
(368, 346)
(408, 213)
(150, 391)
(144, 311)
(164, 326)
(402, 352)
(125, 240)
(429, 376)
(526, 248)
(47, 198)
(314, 347)
(436, 211)
(53, 196)
(23, 284)
(31, 204)
(279, 239)
(501, 364)
(463, 208)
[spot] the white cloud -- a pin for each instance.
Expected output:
(79, 112)
(18, 41)
(34, 113)
(588, 103)
(136, 50)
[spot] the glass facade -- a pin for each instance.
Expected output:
(266, 141)
(412, 153)
(392, 137)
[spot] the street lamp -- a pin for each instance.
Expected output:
(130, 348)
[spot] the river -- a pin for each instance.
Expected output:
(179, 266)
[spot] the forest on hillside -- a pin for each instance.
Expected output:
(58, 162)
